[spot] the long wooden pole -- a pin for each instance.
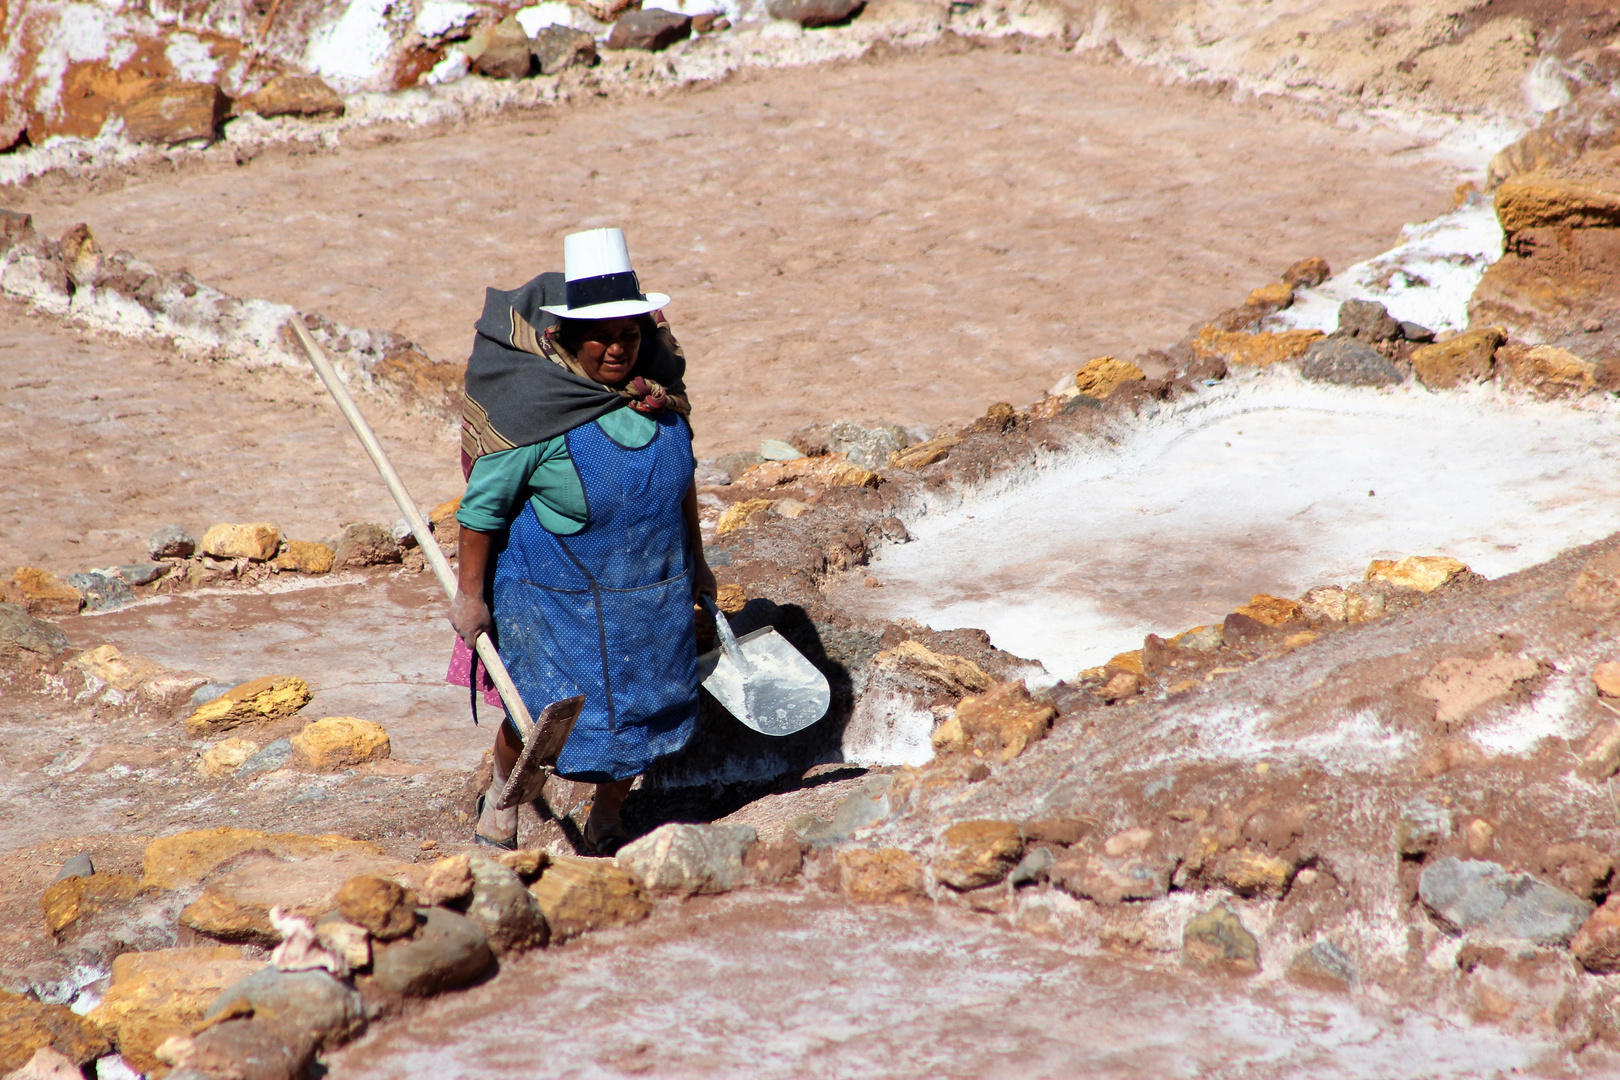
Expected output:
(413, 517)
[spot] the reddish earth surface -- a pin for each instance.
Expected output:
(910, 239)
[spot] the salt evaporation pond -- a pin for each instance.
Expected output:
(1265, 483)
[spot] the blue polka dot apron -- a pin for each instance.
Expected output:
(607, 612)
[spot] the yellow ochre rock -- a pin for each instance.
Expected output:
(340, 742)
(270, 698)
(224, 758)
(72, 898)
(1104, 375)
(1252, 350)
(27, 1025)
(1424, 573)
(1466, 358)
(827, 470)
(923, 453)
(186, 858)
(41, 593)
(881, 875)
(999, 725)
(1278, 294)
(305, 557)
(578, 894)
(736, 515)
(1558, 197)
(956, 672)
(1546, 370)
(1271, 610)
(164, 992)
(257, 541)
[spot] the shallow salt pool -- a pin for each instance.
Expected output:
(1265, 483)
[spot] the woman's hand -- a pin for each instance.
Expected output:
(470, 616)
(703, 582)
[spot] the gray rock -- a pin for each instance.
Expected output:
(102, 592)
(78, 866)
(811, 13)
(20, 632)
(1347, 362)
(501, 51)
(778, 450)
(1323, 964)
(1218, 939)
(1412, 331)
(868, 447)
(649, 30)
(867, 805)
(364, 544)
(503, 908)
(171, 542)
(710, 472)
(733, 464)
(1422, 825)
(142, 573)
(1368, 320)
(689, 859)
(271, 758)
(557, 48)
(294, 1016)
(401, 532)
(1483, 899)
(1033, 868)
(208, 692)
(448, 951)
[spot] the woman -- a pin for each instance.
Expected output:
(580, 551)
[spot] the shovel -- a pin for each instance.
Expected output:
(542, 740)
(762, 680)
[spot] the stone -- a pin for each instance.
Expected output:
(81, 865)
(1421, 826)
(870, 447)
(606, 10)
(1606, 678)
(1367, 320)
(813, 13)
(1121, 686)
(774, 863)
(101, 592)
(1479, 838)
(225, 757)
(1458, 361)
(447, 952)
(448, 880)
(365, 544)
(1578, 868)
(1064, 832)
(500, 50)
(998, 725)
(978, 853)
(1276, 296)
(577, 895)
(736, 515)
(1251, 350)
(689, 859)
(923, 454)
(507, 913)
(186, 858)
(20, 632)
(305, 557)
(956, 673)
(1034, 868)
(351, 941)
(273, 1023)
(171, 542)
(1218, 939)
(1600, 753)
(777, 450)
(339, 742)
(1117, 874)
(1416, 332)
(1324, 605)
(881, 876)
(828, 470)
(208, 692)
(557, 48)
(236, 905)
(39, 592)
(70, 899)
(651, 30)
(1308, 273)
(141, 573)
(1199, 637)
(295, 95)
(1425, 573)
(1596, 589)
(791, 509)
(257, 540)
(383, 907)
(1275, 611)
(47, 1064)
(1323, 966)
(526, 863)
(867, 805)
(274, 697)
(1104, 375)
(1596, 945)
(154, 995)
(1558, 198)
(275, 755)
(1345, 361)
(1482, 899)
(1459, 685)
(1546, 370)
(170, 112)
(105, 665)
(1253, 873)
(28, 1026)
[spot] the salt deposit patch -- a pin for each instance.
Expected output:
(1269, 485)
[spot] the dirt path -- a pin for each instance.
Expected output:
(911, 238)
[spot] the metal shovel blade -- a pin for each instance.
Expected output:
(763, 681)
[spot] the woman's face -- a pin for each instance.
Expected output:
(608, 349)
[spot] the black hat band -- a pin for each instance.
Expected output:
(605, 289)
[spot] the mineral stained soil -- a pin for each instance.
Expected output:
(910, 239)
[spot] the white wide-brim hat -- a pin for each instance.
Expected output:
(601, 284)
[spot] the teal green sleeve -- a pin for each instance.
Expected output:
(543, 472)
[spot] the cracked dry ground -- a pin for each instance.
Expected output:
(928, 241)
